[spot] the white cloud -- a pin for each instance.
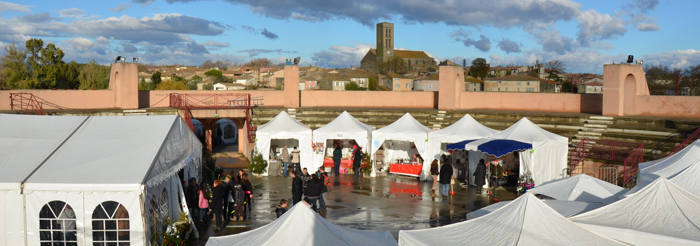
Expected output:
(72, 13)
(674, 59)
(595, 26)
(13, 7)
(81, 44)
(340, 56)
(121, 8)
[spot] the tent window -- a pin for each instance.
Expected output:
(110, 224)
(164, 206)
(57, 225)
(154, 215)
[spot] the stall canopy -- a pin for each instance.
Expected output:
(343, 127)
(524, 221)
(565, 208)
(405, 128)
(582, 188)
(671, 166)
(284, 126)
(495, 147)
(86, 162)
(660, 214)
(466, 129)
(301, 226)
(547, 159)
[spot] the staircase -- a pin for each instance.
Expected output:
(439, 120)
(593, 128)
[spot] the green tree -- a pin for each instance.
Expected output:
(192, 83)
(15, 71)
(94, 76)
(155, 79)
(352, 86)
(554, 76)
(51, 67)
(143, 86)
(208, 86)
(566, 86)
(34, 47)
(213, 73)
(172, 84)
(71, 74)
(393, 65)
(660, 78)
(480, 68)
(372, 84)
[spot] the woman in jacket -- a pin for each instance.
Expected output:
(434, 172)
(203, 201)
(217, 205)
(337, 155)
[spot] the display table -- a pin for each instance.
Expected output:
(344, 163)
(406, 169)
(275, 168)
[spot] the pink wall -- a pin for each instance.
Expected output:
(71, 99)
(159, 99)
(673, 106)
(541, 102)
(368, 99)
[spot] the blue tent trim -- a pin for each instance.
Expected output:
(459, 145)
(501, 147)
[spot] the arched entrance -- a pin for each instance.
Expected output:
(630, 95)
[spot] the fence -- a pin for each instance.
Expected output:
(607, 174)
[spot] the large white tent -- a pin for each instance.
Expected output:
(582, 188)
(465, 129)
(524, 221)
(547, 159)
(660, 214)
(82, 173)
(670, 166)
(565, 208)
(342, 127)
(284, 126)
(301, 226)
(405, 128)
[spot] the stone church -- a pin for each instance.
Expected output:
(385, 51)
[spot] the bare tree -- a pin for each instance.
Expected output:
(556, 65)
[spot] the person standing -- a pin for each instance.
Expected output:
(313, 191)
(446, 178)
(356, 160)
(325, 181)
(203, 202)
(238, 201)
(337, 156)
(305, 177)
(480, 176)
(228, 184)
(248, 193)
(217, 205)
(295, 159)
(297, 188)
(285, 160)
(191, 197)
(434, 172)
(495, 173)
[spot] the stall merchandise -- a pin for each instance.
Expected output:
(58, 174)
(401, 140)
(524, 221)
(681, 168)
(662, 213)
(284, 126)
(547, 159)
(465, 128)
(342, 127)
(301, 226)
(582, 188)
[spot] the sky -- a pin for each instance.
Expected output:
(337, 34)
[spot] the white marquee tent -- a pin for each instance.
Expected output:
(581, 188)
(73, 175)
(465, 129)
(524, 221)
(565, 208)
(671, 166)
(343, 127)
(284, 126)
(301, 226)
(546, 161)
(660, 214)
(405, 128)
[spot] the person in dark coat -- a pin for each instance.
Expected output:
(297, 188)
(434, 172)
(313, 190)
(446, 178)
(281, 208)
(191, 195)
(325, 180)
(248, 190)
(357, 161)
(480, 176)
(217, 205)
(337, 155)
(228, 184)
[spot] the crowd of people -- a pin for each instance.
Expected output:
(226, 200)
(445, 173)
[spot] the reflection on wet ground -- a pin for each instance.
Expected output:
(383, 203)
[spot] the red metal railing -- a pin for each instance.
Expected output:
(629, 154)
(188, 102)
(632, 164)
(26, 103)
(577, 154)
(687, 141)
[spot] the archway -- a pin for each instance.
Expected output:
(630, 95)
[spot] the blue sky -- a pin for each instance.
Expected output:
(584, 34)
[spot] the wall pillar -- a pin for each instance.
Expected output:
(124, 83)
(622, 83)
(208, 126)
(291, 86)
(451, 87)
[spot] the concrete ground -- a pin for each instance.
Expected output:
(382, 203)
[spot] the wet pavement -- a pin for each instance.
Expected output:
(390, 203)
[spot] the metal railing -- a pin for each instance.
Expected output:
(632, 164)
(687, 141)
(26, 103)
(607, 174)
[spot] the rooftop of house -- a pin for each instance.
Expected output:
(407, 53)
(512, 78)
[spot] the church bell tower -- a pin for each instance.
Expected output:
(385, 41)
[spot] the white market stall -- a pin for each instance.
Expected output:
(662, 213)
(679, 167)
(547, 159)
(581, 188)
(301, 226)
(565, 208)
(284, 127)
(397, 139)
(97, 179)
(465, 129)
(342, 127)
(524, 221)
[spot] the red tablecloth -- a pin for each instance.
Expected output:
(406, 169)
(344, 163)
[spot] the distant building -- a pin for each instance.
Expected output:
(521, 83)
(385, 51)
(228, 87)
(593, 86)
(400, 83)
(430, 83)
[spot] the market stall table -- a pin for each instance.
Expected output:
(344, 164)
(406, 169)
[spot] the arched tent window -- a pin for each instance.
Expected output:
(154, 214)
(164, 206)
(110, 224)
(57, 225)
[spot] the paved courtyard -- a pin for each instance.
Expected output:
(383, 203)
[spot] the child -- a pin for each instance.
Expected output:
(281, 208)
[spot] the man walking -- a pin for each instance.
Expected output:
(305, 177)
(323, 176)
(285, 160)
(356, 161)
(446, 178)
(297, 188)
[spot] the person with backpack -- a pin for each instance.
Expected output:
(239, 199)
(326, 180)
